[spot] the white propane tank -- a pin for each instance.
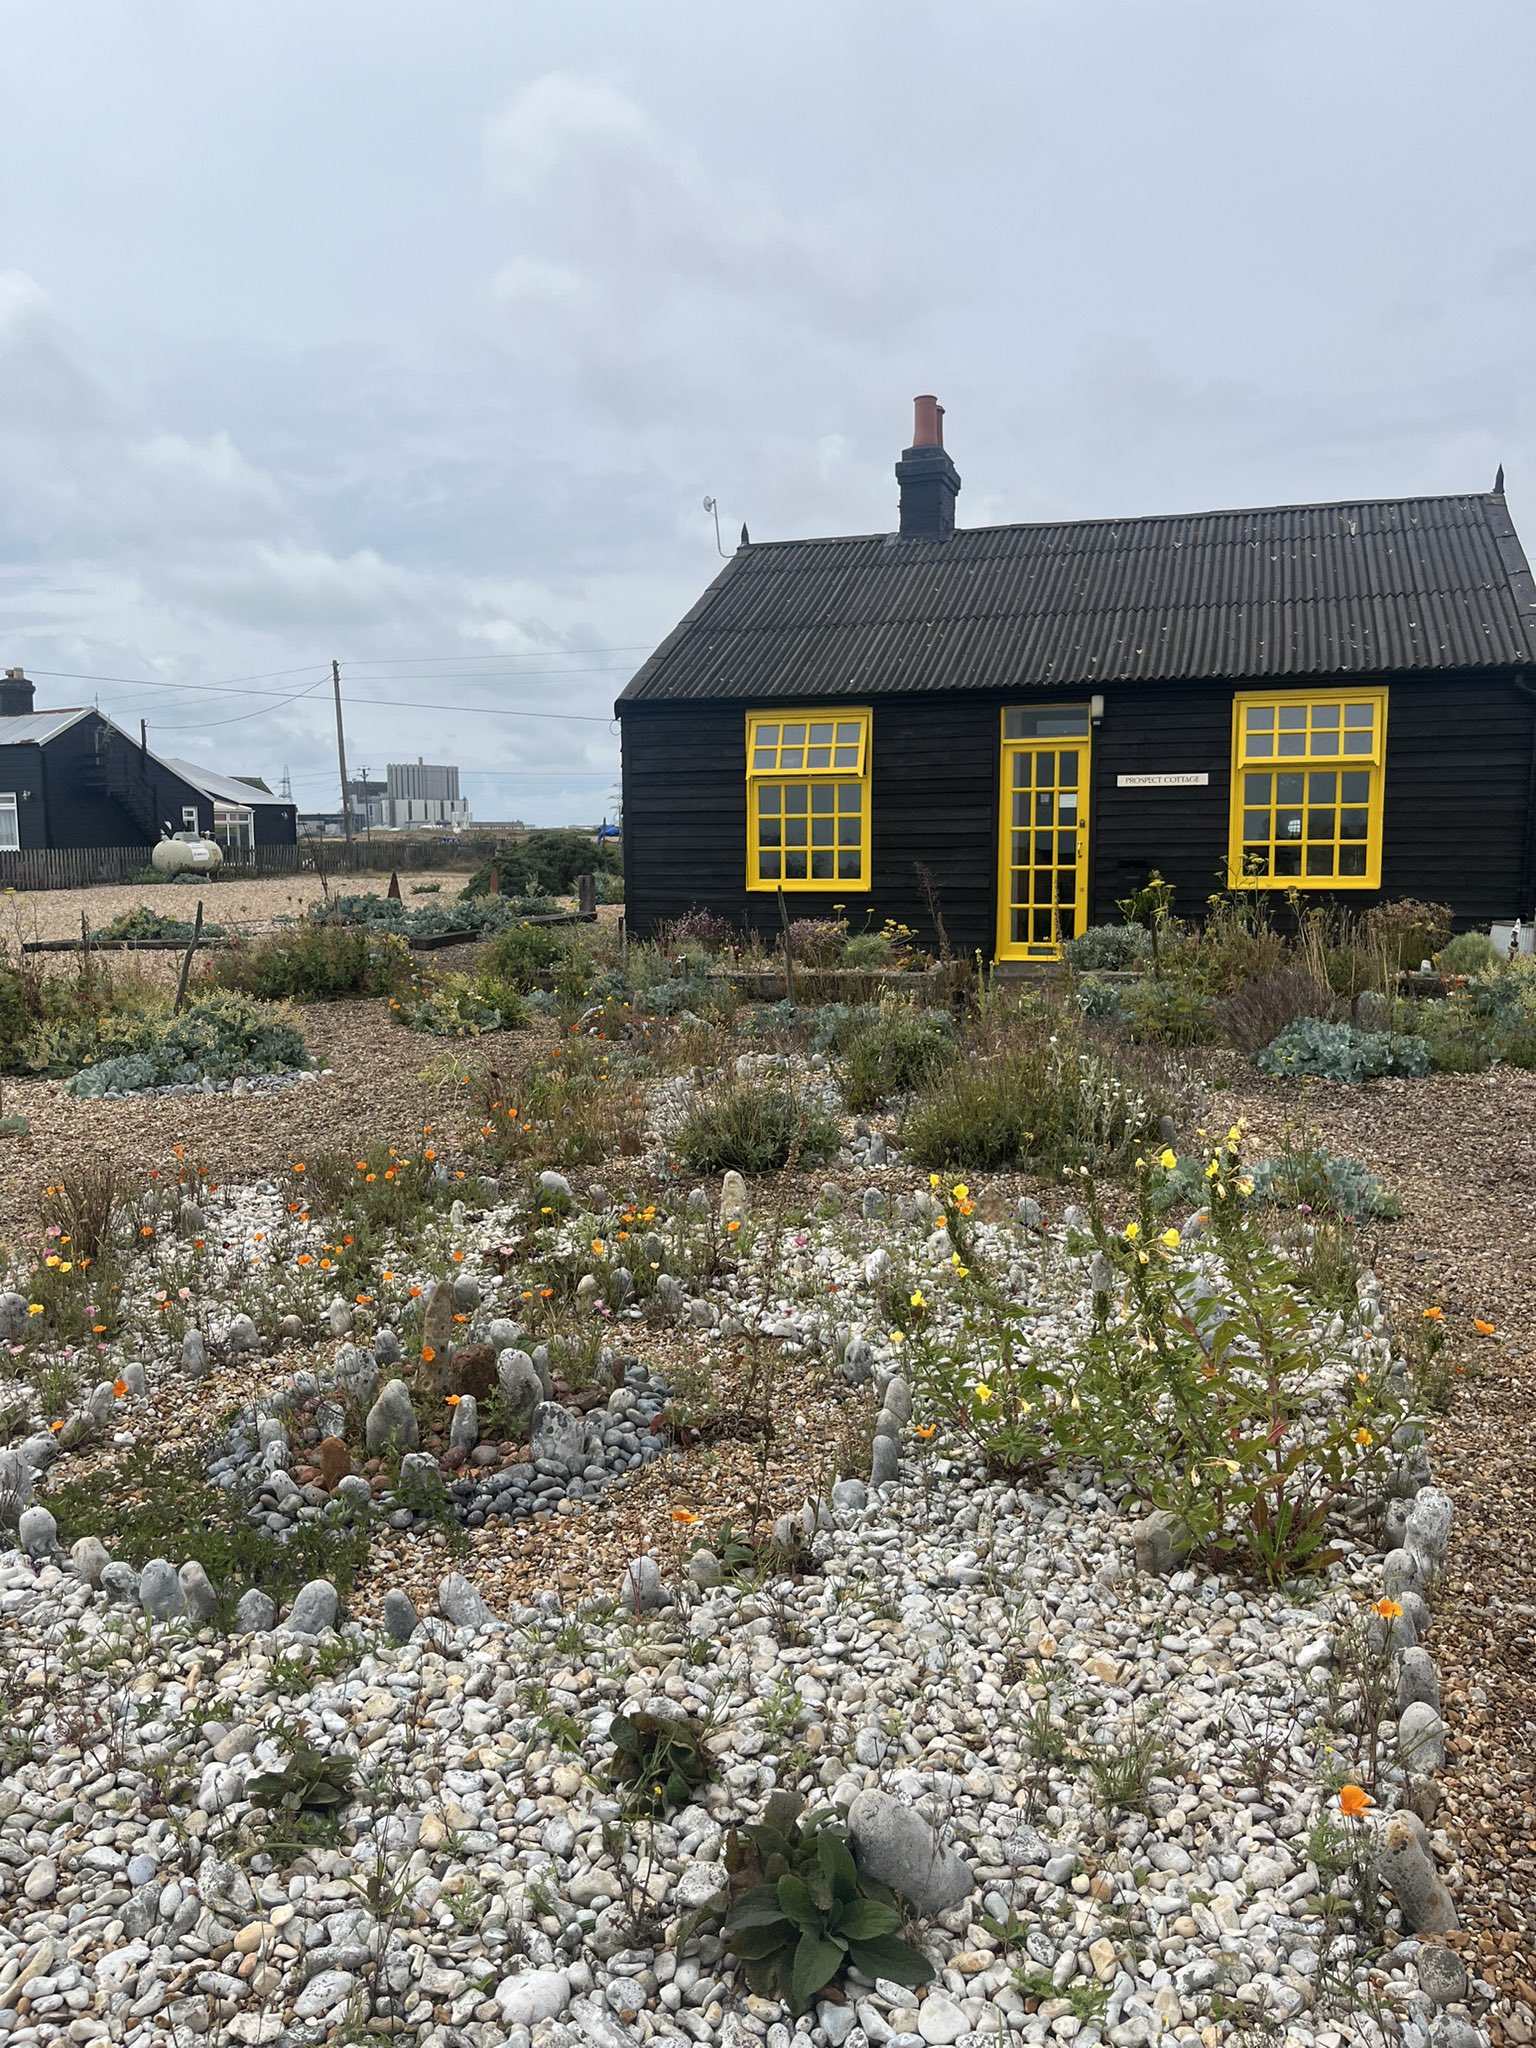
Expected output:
(186, 853)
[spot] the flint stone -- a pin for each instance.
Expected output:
(38, 1531)
(872, 1205)
(161, 1593)
(557, 1432)
(194, 1352)
(17, 1479)
(1421, 1737)
(240, 1336)
(1030, 1214)
(197, 1590)
(391, 1423)
(1428, 1530)
(1418, 1682)
(120, 1582)
(339, 1317)
(640, 1588)
(858, 1361)
(255, 1612)
(90, 1558)
(386, 1348)
(556, 1184)
(135, 1379)
(291, 1329)
(399, 1615)
(313, 1610)
(894, 1844)
(850, 1495)
(898, 1398)
(464, 1430)
(1450, 2030)
(1401, 1572)
(533, 1995)
(13, 1317)
(521, 1389)
(1161, 1542)
(883, 1461)
(355, 1491)
(503, 1333)
(460, 1603)
(1442, 1975)
(887, 1425)
(466, 1291)
(733, 1196)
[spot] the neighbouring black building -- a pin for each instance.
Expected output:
(1338, 700)
(72, 778)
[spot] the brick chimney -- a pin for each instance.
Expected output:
(929, 481)
(16, 698)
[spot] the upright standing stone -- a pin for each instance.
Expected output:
(391, 1423)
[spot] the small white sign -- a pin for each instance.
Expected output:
(1161, 781)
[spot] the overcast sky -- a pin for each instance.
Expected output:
(414, 332)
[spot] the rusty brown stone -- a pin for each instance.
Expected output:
(472, 1370)
(335, 1462)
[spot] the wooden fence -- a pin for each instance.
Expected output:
(81, 867)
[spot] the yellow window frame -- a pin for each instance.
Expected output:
(808, 775)
(1308, 768)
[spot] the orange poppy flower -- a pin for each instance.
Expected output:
(1354, 1803)
(119, 1387)
(684, 1515)
(1434, 1315)
(1483, 1329)
(1388, 1609)
(428, 1354)
(927, 1431)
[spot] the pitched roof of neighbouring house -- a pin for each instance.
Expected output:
(35, 728)
(223, 789)
(1285, 592)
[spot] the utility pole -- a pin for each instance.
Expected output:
(341, 756)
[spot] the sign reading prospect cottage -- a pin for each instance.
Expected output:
(1161, 781)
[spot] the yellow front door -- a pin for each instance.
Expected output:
(1043, 870)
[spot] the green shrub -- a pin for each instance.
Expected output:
(317, 963)
(756, 1127)
(802, 1911)
(897, 1052)
(1338, 1052)
(1327, 1183)
(870, 949)
(1469, 953)
(142, 923)
(1033, 1096)
(1460, 1041)
(449, 1007)
(1108, 948)
(547, 863)
(1407, 931)
(1168, 1012)
(1101, 1001)
(223, 1034)
(526, 955)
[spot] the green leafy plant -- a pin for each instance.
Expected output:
(312, 1787)
(1108, 949)
(804, 1911)
(1469, 953)
(658, 1762)
(897, 1052)
(450, 1007)
(142, 923)
(317, 963)
(756, 1127)
(1340, 1052)
(1170, 1011)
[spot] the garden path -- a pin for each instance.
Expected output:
(1459, 1151)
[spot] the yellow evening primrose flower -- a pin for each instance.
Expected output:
(1167, 1159)
(898, 1336)
(915, 1299)
(1171, 1239)
(1133, 1231)
(960, 1191)
(983, 1393)
(1213, 1169)
(934, 1181)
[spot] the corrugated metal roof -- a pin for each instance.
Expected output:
(31, 728)
(1289, 591)
(223, 789)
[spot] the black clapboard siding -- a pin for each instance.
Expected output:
(1457, 824)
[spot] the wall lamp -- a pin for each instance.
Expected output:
(1096, 708)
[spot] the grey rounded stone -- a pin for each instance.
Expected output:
(459, 1602)
(391, 1423)
(38, 1531)
(1442, 1974)
(850, 1495)
(198, 1591)
(399, 1615)
(255, 1612)
(313, 1610)
(161, 1593)
(892, 1843)
(90, 1558)
(120, 1582)
(640, 1587)
(883, 1461)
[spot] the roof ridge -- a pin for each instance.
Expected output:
(1129, 519)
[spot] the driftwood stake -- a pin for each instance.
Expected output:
(789, 956)
(186, 959)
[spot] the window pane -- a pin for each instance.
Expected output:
(765, 757)
(1319, 824)
(791, 757)
(1045, 771)
(821, 733)
(1255, 860)
(1358, 742)
(848, 867)
(1066, 805)
(1320, 788)
(768, 867)
(1360, 714)
(845, 757)
(1353, 824)
(1066, 850)
(796, 797)
(818, 757)
(1021, 809)
(1287, 824)
(769, 832)
(1351, 860)
(822, 797)
(848, 832)
(794, 867)
(1255, 824)
(1292, 743)
(769, 799)
(1061, 721)
(823, 831)
(1261, 718)
(795, 831)
(1256, 788)
(848, 732)
(1045, 847)
(1045, 807)
(1319, 860)
(794, 736)
(1292, 717)
(848, 796)
(1023, 765)
(822, 865)
(1020, 856)
(1288, 788)
(1325, 715)
(1068, 775)
(768, 736)
(1287, 860)
(1259, 745)
(1355, 787)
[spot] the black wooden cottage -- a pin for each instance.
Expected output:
(72, 778)
(1338, 700)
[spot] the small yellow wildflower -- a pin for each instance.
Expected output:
(1167, 1159)
(1171, 1239)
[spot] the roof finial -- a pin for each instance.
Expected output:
(1498, 482)
(746, 538)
